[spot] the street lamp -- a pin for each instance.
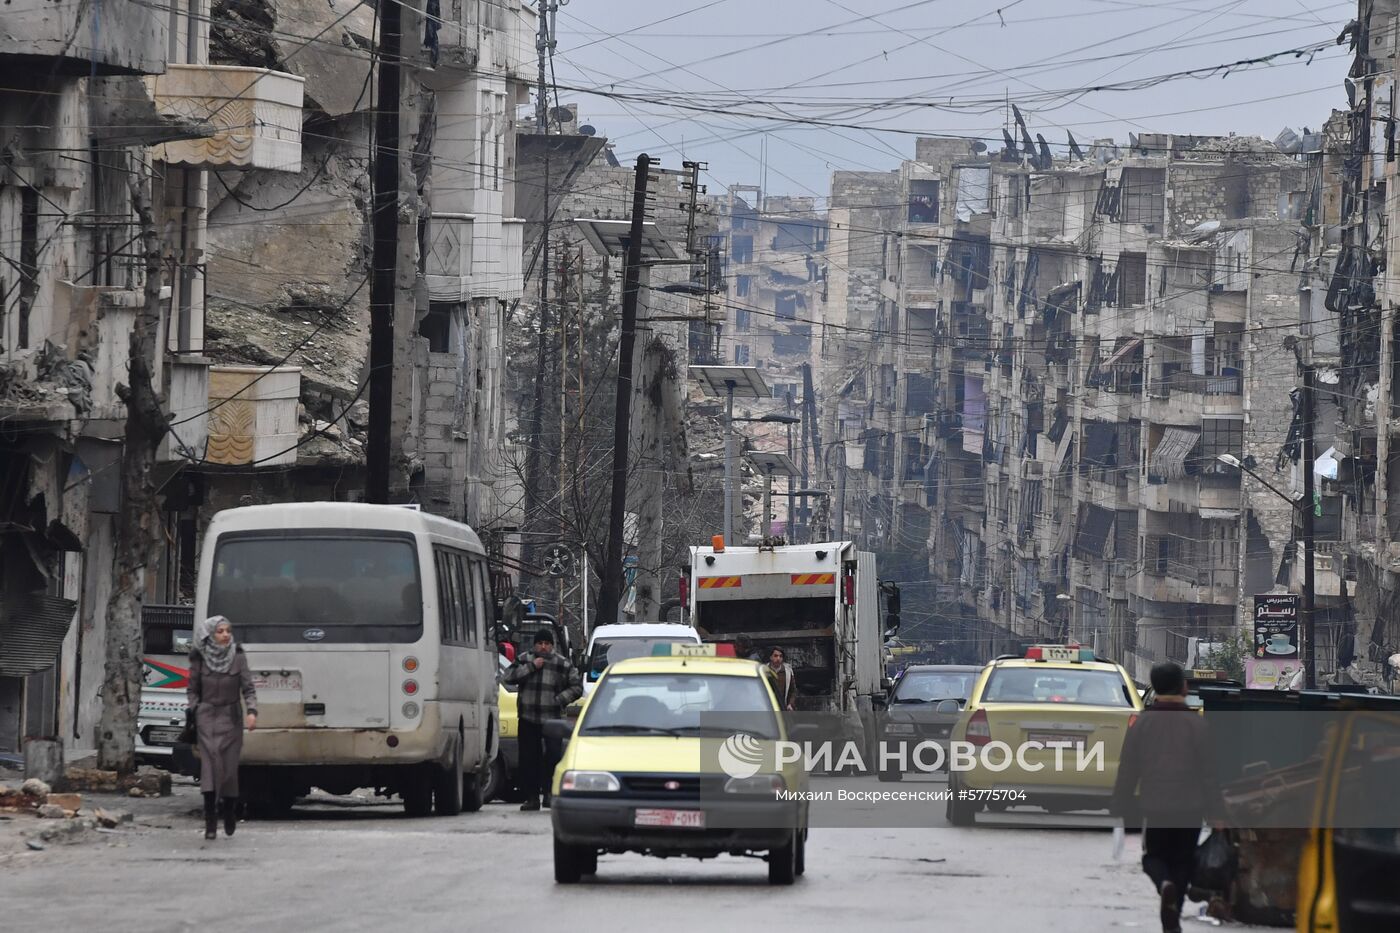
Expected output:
(772, 465)
(729, 382)
(1309, 551)
(789, 421)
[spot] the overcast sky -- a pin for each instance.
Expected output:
(866, 63)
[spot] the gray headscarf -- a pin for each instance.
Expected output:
(217, 658)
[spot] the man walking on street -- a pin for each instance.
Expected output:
(782, 677)
(1167, 775)
(548, 683)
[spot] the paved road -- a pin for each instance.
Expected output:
(350, 865)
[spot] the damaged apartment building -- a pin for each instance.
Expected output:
(1062, 351)
(251, 119)
(776, 270)
(290, 259)
(89, 118)
(1350, 299)
(773, 254)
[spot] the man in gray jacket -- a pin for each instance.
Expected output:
(1167, 776)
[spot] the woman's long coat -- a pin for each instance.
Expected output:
(219, 720)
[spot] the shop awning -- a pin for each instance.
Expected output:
(1169, 458)
(1124, 354)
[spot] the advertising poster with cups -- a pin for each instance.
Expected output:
(1274, 658)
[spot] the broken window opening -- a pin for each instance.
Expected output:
(1132, 279)
(742, 249)
(28, 261)
(436, 327)
(923, 202)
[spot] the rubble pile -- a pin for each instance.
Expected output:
(1253, 150)
(64, 817)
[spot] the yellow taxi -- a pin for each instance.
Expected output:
(675, 755)
(506, 766)
(1351, 857)
(1044, 729)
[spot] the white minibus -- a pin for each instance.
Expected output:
(369, 632)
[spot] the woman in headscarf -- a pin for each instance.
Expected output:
(219, 679)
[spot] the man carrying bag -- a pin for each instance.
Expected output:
(1167, 777)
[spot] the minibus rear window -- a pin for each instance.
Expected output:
(318, 587)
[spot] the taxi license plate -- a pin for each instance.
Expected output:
(674, 819)
(1055, 738)
(274, 681)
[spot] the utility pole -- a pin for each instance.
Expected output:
(1309, 512)
(610, 588)
(534, 454)
(384, 265)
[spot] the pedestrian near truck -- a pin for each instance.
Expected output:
(782, 677)
(222, 702)
(1167, 778)
(548, 683)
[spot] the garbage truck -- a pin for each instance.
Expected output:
(820, 603)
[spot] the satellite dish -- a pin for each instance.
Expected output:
(587, 130)
(979, 147)
(562, 115)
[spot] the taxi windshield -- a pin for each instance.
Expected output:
(932, 686)
(1056, 685)
(611, 650)
(680, 704)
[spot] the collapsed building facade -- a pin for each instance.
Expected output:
(261, 362)
(94, 122)
(1350, 299)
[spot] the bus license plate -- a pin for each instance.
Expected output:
(673, 819)
(278, 682)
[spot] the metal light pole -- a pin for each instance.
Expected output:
(728, 460)
(1309, 544)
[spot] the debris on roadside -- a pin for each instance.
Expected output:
(111, 819)
(151, 782)
(34, 787)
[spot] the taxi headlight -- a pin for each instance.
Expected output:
(590, 782)
(899, 728)
(757, 784)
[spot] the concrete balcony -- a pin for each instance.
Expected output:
(1168, 580)
(253, 114)
(1185, 398)
(67, 38)
(495, 37)
(922, 295)
(1329, 564)
(187, 404)
(253, 415)
(448, 265)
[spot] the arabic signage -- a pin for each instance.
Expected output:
(1274, 659)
